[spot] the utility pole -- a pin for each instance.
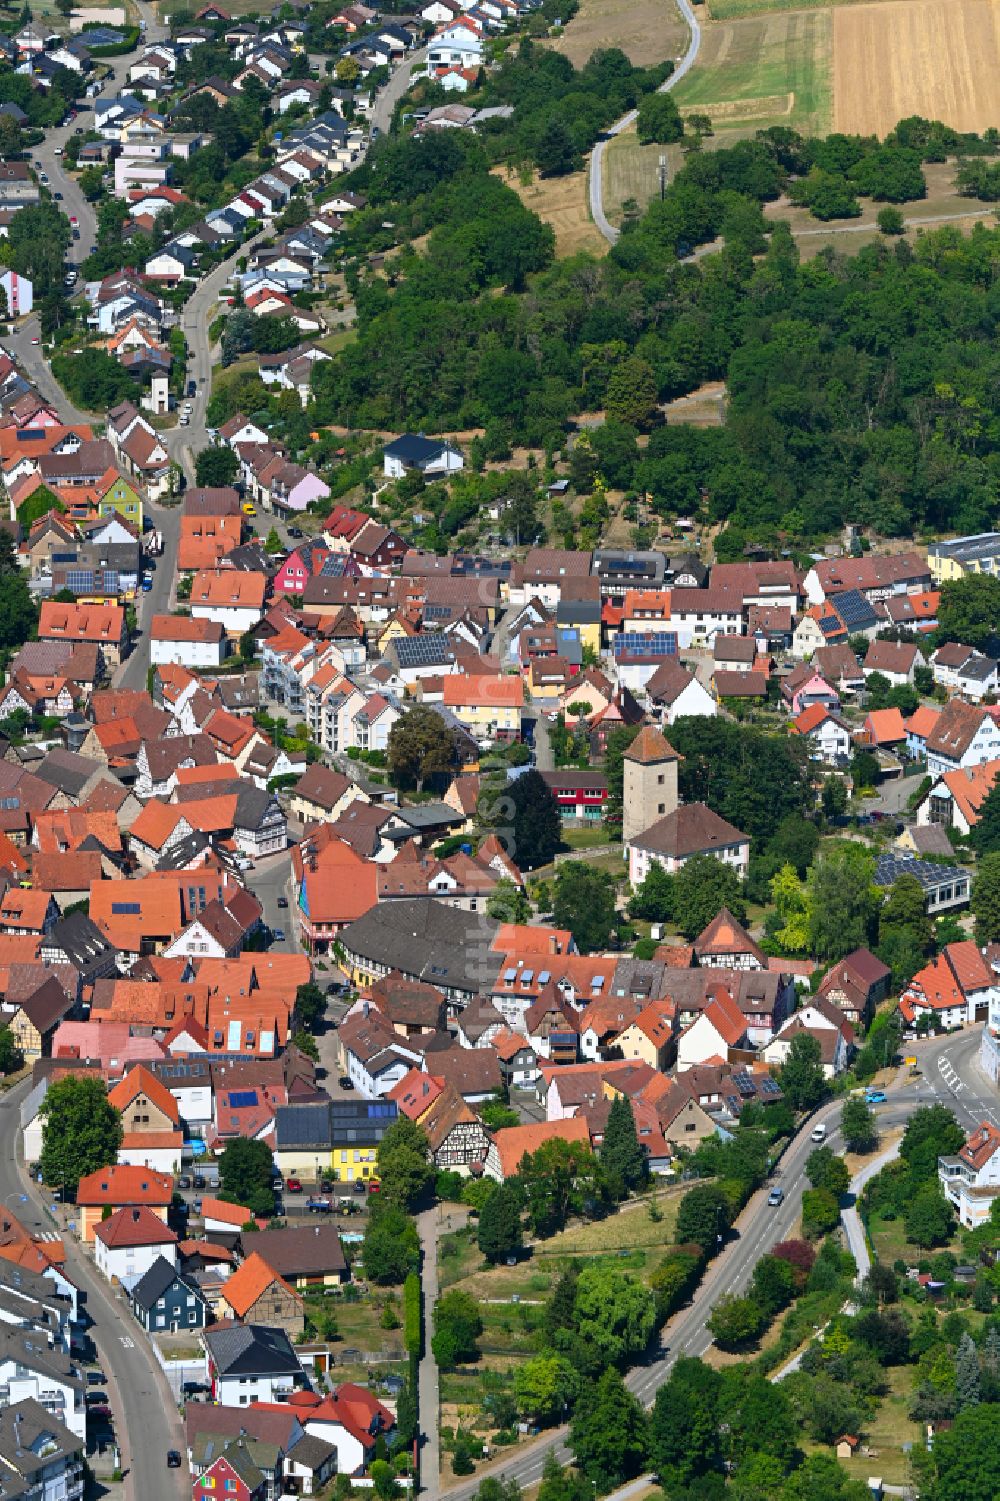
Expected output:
(663, 176)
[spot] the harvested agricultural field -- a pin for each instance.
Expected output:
(936, 58)
(647, 31)
(563, 203)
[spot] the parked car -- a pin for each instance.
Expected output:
(96, 1378)
(345, 1082)
(282, 902)
(174, 1460)
(359, 1186)
(293, 1185)
(196, 1206)
(190, 1388)
(875, 1097)
(295, 531)
(191, 387)
(97, 1399)
(319, 1205)
(374, 1186)
(279, 935)
(184, 1181)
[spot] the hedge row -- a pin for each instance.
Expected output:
(412, 1322)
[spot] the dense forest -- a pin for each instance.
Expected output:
(861, 386)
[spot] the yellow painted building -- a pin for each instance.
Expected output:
(962, 556)
(122, 499)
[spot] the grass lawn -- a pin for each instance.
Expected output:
(768, 70)
(584, 836)
(334, 342)
(885, 1435)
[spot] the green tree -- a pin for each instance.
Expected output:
(245, 1175)
(928, 1217)
(631, 392)
(820, 1212)
(969, 610)
(791, 901)
(555, 152)
(273, 543)
(18, 611)
(985, 899)
(801, 1074)
(684, 1437)
(216, 466)
(558, 1180)
(842, 900)
(653, 899)
(608, 1434)
(774, 1284)
(495, 1116)
(81, 1131)
(499, 1231)
(931, 1132)
(421, 745)
(890, 221)
(405, 1169)
(967, 1391)
(821, 1478)
(310, 1005)
(985, 835)
(559, 1484)
(825, 1169)
(545, 1386)
(858, 1125)
(659, 119)
(614, 1316)
(905, 909)
(702, 886)
(536, 827)
(508, 903)
(11, 1057)
(622, 1156)
(965, 1460)
(584, 902)
(736, 1322)
(703, 1217)
(457, 1326)
(391, 1247)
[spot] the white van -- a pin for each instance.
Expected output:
(818, 1133)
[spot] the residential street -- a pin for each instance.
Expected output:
(968, 1093)
(147, 1423)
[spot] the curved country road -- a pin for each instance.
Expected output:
(597, 155)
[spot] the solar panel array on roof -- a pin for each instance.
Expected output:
(853, 608)
(646, 643)
(744, 1083)
(829, 623)
(423, 651)
(333, 567)
(126, 909)
(240, 1099)
(768, 1086)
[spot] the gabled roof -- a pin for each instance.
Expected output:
(724, 935)
(244, 1287)
(137, 1081)
(134, 1225)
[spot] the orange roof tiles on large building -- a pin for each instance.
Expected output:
(483, 690)
(120, 1184)
(513, 1142)
(205, 540)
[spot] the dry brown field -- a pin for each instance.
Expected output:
(936, 58)
(561, 202)
(647, 31)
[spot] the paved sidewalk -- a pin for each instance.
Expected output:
(851, 1219)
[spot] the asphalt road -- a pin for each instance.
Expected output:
(147, 1423)
(269, 879)
(597, 155)
(949, 1075)
(381, 115)
(159, 600)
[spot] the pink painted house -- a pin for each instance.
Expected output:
(803, 687)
